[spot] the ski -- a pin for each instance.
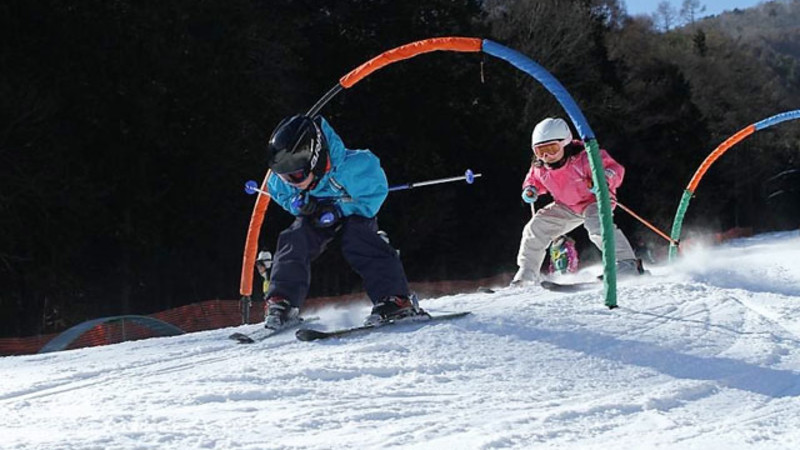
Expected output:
(570, 287)
(264, 333)
(498, 289)
(307, 334)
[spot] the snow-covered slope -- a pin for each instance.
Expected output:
(703, 354)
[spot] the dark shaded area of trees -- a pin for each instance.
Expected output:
(127, 132)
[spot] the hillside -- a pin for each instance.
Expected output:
(767, 18)
(771, 30)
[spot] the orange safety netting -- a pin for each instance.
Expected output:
(208, 315)
(215, 314)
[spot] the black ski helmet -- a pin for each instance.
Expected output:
(298, 144)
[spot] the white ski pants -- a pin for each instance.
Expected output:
(552, 221)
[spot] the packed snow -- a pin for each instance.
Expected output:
(702, 354)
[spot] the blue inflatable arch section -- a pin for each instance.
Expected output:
(63, 340)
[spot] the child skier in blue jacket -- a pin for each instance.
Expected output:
(332, 191)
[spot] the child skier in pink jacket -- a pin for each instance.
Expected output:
(561, 168)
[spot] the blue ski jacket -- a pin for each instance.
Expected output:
(355, 182)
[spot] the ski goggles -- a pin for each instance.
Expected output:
(296, 177)
(546, 148)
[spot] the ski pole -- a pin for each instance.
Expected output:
(468, 176)
(647, 224)
(251, 187)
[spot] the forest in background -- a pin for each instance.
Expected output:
(127, 132)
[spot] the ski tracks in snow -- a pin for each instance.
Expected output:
(689, 360)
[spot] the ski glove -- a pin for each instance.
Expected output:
(327, 215)
(529, 194)
(304, 204)
(322, 212)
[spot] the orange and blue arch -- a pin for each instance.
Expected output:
(462, 44)
(691, 188)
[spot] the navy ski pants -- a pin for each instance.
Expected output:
(370, 256)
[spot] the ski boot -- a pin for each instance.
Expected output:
(279, 313)
(524, 277)
(628, 268)
(393, 308)
(631, 268)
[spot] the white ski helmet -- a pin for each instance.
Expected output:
(551, 129)
(265, 258)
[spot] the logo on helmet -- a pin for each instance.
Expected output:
(317, 147)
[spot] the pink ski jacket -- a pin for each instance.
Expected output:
(569, 184)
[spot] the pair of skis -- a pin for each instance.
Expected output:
(308, 334)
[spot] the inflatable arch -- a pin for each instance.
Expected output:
(63, 340)
(677, 223)
(462, 44)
